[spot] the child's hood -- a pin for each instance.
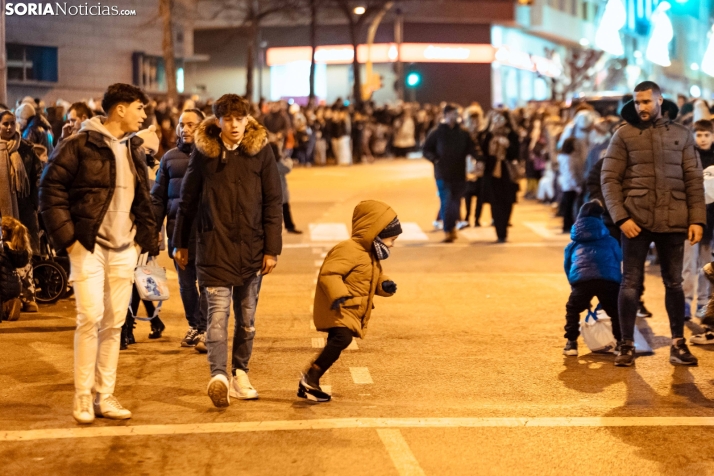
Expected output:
(588, 229)
(368, 220)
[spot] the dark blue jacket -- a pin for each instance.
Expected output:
(166, 192)
(593, 253)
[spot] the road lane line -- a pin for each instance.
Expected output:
(400, 453)
(331, 232)
(361, 375)
(412, 232)
(350, 423)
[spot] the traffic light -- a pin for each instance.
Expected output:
(413, 79)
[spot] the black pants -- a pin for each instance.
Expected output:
(338, 339)
(580, 296)
(670, 247)
(501, 211)
(568, 207)
(149, 305)
(288, 217)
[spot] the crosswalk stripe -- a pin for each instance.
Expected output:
(400, 453)
(412, 232)
(361, 375)
(328, 232)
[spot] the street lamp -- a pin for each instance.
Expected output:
(359, 10)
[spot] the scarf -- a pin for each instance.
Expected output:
(14, 181)
(380, 249)
(497, 148)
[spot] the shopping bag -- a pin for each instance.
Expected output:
(150, 280)
(709, 184)
(641, 345)
(597, 332)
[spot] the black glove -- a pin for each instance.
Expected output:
(389, 287)
(338, 302)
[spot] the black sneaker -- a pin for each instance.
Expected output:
(642, 311)
(571, 348)
(312, 393)
(679, 354)
(626, 356)
(191, 338)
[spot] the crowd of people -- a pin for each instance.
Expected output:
(109, 181)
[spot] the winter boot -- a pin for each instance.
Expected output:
(157, 327)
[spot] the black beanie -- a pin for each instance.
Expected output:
(393, 229)
(592, 209)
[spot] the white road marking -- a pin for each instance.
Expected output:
(479, 233)
(361, 375)
(347, 423)
(353, 345)
(400, 453)
(328, 232)
(542, 229)
(327, 389)
(323, 255)
(296, 245)
(312, 325)
(412, 232)
(318, 342)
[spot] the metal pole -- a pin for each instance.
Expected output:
(398, 38)
(3, 57)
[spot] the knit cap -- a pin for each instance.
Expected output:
(25, 111)
(393, 229)
(592, 209)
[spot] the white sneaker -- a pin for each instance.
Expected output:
(241, 387)
(460, 225)
(83, 410)
(703, 339)
(218, 391)
(438, 225)
(107, 406)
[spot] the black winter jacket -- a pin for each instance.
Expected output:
(237, 205)
(166, 193)
(447, 147)
(10, 260)
(77, 186)
(27, 206)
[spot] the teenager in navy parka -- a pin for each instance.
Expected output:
(592, 264)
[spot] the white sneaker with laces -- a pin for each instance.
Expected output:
(703, 339)
(107, 406)
(218, 391)
(83, 410)
(241, 387)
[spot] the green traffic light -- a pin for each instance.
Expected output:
(413, 79)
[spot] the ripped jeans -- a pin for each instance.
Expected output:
(245, 303)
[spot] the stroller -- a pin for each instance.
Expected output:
(50, 272)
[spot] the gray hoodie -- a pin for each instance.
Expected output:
(117, 230)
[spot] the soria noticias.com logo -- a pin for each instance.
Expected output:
(64, 8)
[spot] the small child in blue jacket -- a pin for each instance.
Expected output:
(592, 264)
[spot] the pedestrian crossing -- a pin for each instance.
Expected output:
(412, 232)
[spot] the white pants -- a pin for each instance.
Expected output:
(102, 284)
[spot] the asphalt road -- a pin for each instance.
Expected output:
(461, 372)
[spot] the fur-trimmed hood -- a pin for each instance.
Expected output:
(208, 138)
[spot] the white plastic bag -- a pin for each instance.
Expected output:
(709, 184)
(150, 280)
(597, 332)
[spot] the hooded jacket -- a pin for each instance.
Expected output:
(352, 270)
(651, 174)
(166, 192)
(78, 185)
(237, 203)
(593, 253)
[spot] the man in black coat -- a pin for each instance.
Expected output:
(95, 203)
(232, 190)
(447, 147)
(165, 198)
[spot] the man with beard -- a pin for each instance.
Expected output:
(653, 186)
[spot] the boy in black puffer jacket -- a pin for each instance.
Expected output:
(14, 254)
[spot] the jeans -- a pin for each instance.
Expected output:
(338, 339)
(695, 257)
(102, 288)
(450, 193)
(580, 296)
(670, 247)
(245, 303)
(194, 301)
